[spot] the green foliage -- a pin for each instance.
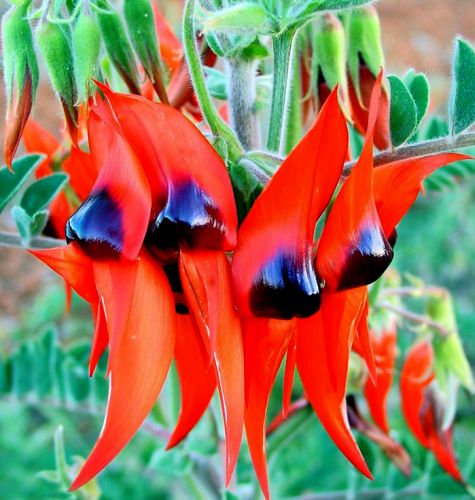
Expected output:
(11, 183)
(462, 97)
(241, 18)
(403, 114)
(86, 48)
(419, 87)
(19, 58)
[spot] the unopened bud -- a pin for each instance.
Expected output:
(86, 48)
(118, 46)
(54, 44)
(20, 72)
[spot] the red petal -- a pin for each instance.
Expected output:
(377, 391)
(278, 230)
(82, 172)
(397, 184)
(197, 377)
(100, 340)
(265, 343)
(73, 266)
(114, 218)
(38, 140)
(171, 50)
(206, 280)
(363, 336)
(139, 363)
(289, 374)
(60, 211)
(353, 250)
(319, 339)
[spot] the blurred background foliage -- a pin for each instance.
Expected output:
(43, 353)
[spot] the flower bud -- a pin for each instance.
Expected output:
(55, 47)
(118, 45)
(86, 47)
(365, 60)
(141, 25)
(20, 72)
(330, 58)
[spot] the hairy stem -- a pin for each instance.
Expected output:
(282, 44)
(217, 125)
(40, 242)
(241, 79)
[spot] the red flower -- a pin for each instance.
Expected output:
(152, 188)
(422, 409)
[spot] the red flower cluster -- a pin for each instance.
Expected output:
(156, 251)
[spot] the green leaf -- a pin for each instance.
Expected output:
(23, 222)
(38, 222)
(419, 88)
(41, 193)
(462, 94)
(240, 18)
(403, 115)
(216, 83)
(10, 183)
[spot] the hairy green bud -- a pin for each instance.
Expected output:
(118, 45)
(365, 46)
(55, 47)
(139, 18)
(20, 72)
(86, 48)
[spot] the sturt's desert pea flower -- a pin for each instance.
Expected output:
(308, 298)
(20, 72)
(422, 409)
(162, 200)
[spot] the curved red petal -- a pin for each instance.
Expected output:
(353, 250)
(100, 340)
(171, 50)
(265, 344)
(319, 340)
(82, 172)
(377, 391)
(363, 335)
(139, 364)
(60, 211)
(113, 220)
(197, 377)
(397, 184)
(38, 140)
(73, 266)
(276, 237)
(206, 280)
(289, 375)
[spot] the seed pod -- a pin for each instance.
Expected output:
(55, 47)
(118, 46)
(86, 48)
(20, 72)
(330, 58)
(141, 25)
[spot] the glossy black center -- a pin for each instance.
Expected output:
(285, 288)
(189, 217)
(97, 226)
(368, 260)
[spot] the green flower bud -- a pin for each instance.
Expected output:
(141, 25)
(86, 48)
(364, 34)
(449, 354)
(118, 45)
(55, 47)
(20, 72)
(330, 56)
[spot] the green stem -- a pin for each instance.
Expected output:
(41, 242)
(282, 44)
(217, 125)
(241, 80)
(293, 117)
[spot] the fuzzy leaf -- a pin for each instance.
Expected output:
(240, 18)
(403, 117)
(41, 193)
(23, 222)
(10, 183)
(419, 88)
(462, 96)
(216, 83)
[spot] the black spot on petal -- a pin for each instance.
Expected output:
(285, 288)
(190, 217)
(368, 260)
(97, 226)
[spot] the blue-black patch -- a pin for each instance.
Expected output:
(368, 260)
(285, 289)
(97, 226)
(190, 217)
